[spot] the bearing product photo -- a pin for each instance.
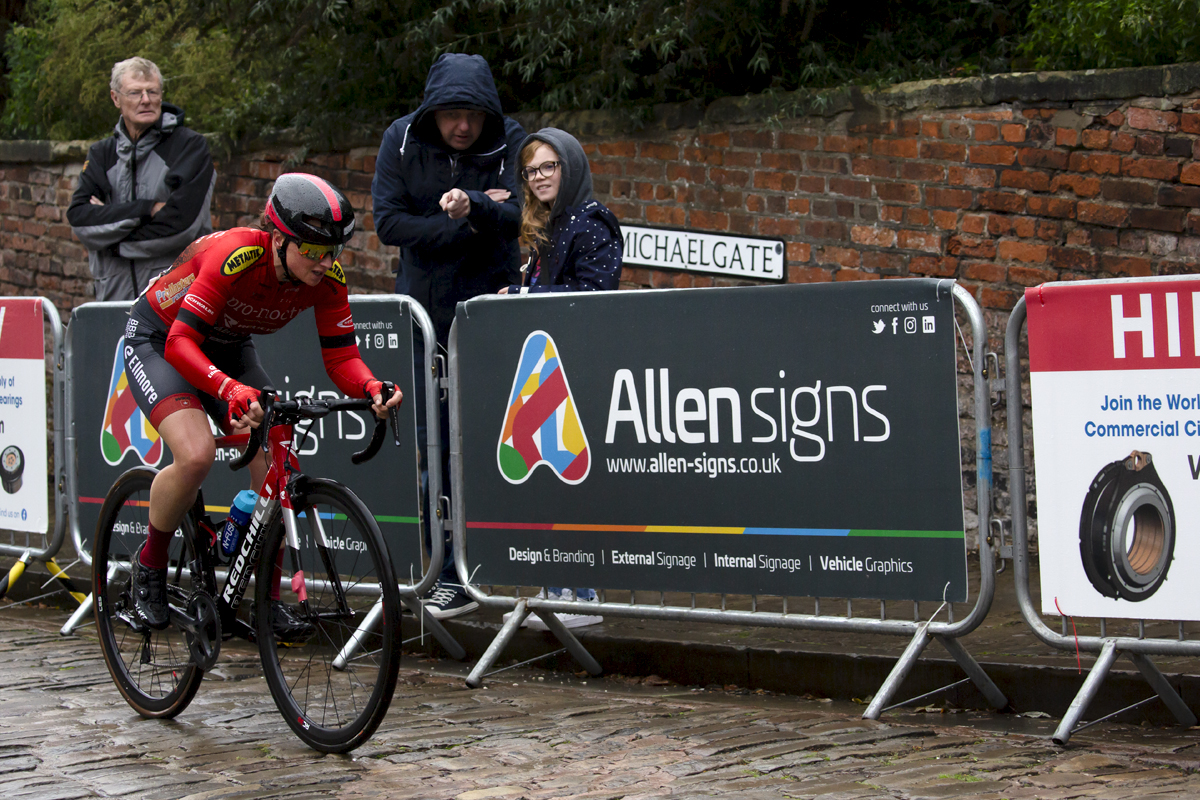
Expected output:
(12, 464)
(1127, 529)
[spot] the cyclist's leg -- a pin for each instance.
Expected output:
(187, 433)
(172, 406)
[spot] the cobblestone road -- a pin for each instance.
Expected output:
(66, 733)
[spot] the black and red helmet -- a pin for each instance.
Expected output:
(310, 209)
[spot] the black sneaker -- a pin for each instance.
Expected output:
(149, 589)
(448, 600)
(288, 625)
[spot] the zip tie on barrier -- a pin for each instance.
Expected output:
(1078, 660)
(933, 616)
(962, 338)
(420, 604)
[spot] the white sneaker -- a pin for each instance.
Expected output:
(534, 622)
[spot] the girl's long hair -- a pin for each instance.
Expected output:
(535, 216)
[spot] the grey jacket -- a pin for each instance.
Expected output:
(128, 244)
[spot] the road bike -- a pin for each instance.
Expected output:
(310, 543)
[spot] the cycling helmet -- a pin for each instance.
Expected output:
(308, 209)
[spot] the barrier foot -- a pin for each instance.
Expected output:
(1091, 686)
(434, 626)
(78, 616)
(1163, 689)
(904, 665)
(507, 632)
(85, 607)
(577, 650)
(362, 632)
(969, 665)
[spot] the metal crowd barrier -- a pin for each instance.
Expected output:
(410, 591)
(919, 631)
(43, 547)
(1107, 648)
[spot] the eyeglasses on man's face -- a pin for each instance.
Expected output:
(545, 169)
(137, 94)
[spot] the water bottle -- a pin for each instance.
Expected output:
(235, 524)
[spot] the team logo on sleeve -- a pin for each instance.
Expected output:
(241, 258)
(336, 273)
(542, 423)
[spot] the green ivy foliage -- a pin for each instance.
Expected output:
(60, 63)
(332, 68)
(1099, 34)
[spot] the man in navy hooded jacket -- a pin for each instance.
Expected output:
(446, 192)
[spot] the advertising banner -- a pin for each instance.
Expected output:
(793, 440)
(112, 435)
(23, 501)
(1115, 378)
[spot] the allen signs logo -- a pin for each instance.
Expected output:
(542, 423)
(125, 427)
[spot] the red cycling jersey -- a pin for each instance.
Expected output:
(223, 288)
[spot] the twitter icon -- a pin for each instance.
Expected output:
(878, 326)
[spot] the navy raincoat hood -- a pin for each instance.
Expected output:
(457, 80)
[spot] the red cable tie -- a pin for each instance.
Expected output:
(1078, 661)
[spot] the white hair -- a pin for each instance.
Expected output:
(137, 65)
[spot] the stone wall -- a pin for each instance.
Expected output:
(1001, 183)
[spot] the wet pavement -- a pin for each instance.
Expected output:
(66, 733)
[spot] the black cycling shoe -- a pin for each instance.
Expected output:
(149, 589)
(288, 625)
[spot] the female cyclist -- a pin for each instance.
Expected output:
(188, 353)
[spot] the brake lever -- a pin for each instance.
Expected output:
(394, 411)
(266, 400)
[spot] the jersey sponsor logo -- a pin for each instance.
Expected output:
(241, 258)
(347, 323)
(125, 427)
(199, 306)
(170, 293)
(336, 273)
(542, 423)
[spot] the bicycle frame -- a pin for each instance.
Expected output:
(272, 494)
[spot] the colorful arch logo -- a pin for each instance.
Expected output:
(125, 426)
(542, 423)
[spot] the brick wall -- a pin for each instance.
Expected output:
(1001, 183)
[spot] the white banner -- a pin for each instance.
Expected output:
(1115, 380)
(23, 466)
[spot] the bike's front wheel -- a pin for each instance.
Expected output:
(152, 668)
(332, 682)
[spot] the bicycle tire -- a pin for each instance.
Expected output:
(331, 710)
(153, 669)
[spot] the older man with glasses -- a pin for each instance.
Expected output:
(144, 192)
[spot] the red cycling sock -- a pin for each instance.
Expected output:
(154, 554)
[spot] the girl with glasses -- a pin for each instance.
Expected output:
(574, 240)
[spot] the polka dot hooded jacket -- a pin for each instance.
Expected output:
(585, 247)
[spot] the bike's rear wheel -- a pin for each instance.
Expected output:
(333, 584)
(152, 669)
